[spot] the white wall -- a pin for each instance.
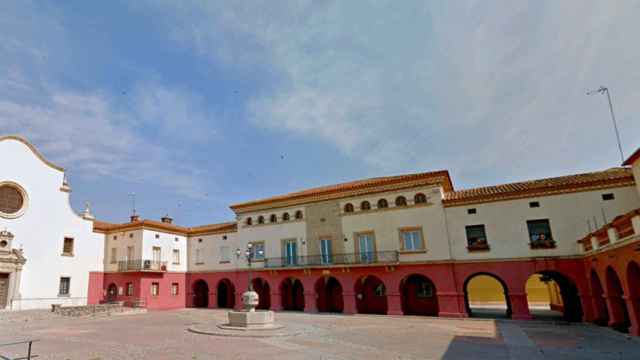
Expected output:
(506, 222)
(121, 240)
(40, 231)
(210, 250)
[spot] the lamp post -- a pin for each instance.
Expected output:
(605, 90)
(249, 255)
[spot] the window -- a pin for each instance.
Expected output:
(298, 215)
(260, 219)
(348, 208)
(424, 290)
(176, 256)
(285, 216)
(130, 253)
(383, 204)
(476, 237)
(131, 236)
(155, 289)
(380, 290)
(114, 255)
(273, 218)
(608, 196)
(129, 289)
(115, 237)
(472, 211)
(249, 221)
(411, 239)
(67, 247)
(175, 287)
(157, 236)
(540, 234)
(366, 247)
(257, 250)
(225, 254)
(364, 206)
(401, 201)
(420, 198)
(534, 204)
(11, 199)
(290, 248)
(325, 251)
(65, 284)
(157, 254)
(199, 257)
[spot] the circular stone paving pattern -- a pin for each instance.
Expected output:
(214, 329)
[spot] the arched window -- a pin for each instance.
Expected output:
(348, 208)
(383, 204)
(420, 198)
(260, 219)
(401, 201)
(273, 218)
(249, 221)
(364, 206)
(298, 215)
(285, 216)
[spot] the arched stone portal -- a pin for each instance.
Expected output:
(261, 286)
(329, 295)
(486, 295)
(225, 294)
(419, 296)
(292, 292)
(371, 295)
(619, 315)
(200, 294)
(599, 304)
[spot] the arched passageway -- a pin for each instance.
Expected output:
(261, 286)
(112, 292)
(225, 294)
(292, 292)
(486, 295)
(599, 304)
(371, 295)
(329, 295)
(200, 294)
(419, 296)
(619, 316)
(552, 295)
(633, 284)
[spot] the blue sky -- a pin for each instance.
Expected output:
(197, 105)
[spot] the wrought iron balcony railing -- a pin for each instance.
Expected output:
(380, 257)
(142, 265)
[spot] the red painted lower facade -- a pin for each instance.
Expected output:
(602, 288)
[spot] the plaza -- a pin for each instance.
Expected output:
(164, 335)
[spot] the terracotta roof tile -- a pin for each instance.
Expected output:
(348, 189)
(631, 159)
(103, 227)
(564, 184)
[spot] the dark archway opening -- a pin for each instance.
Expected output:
(112, 292)
(226, 295)
(329, 295)
(633, 283)
(618, 306)
(599, 304)
(551, 296)
(292, 292)
(200, 294)
(261, 286)
(486, 296)
(419, 296)
(371, 295)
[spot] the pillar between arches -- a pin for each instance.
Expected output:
(394, 304)
(451, 304)
(519, 306)
(588, 308)
(349, 299)
(276, 301)
(213, 300)
(310, 299)
(633, 307)
(616, 312)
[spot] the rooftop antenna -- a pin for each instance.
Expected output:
(133, 203)
(604, 90)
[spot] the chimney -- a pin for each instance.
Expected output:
(166, 219)
(135, 217)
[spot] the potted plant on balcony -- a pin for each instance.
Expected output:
(163, 267)
(478, 244)
(542, 241)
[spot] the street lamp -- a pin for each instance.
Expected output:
(605, 90)
(249, 255)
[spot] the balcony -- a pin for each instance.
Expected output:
(142, 265)
(380, 257)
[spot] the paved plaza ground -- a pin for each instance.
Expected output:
(164, 335)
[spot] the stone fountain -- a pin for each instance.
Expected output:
(249, 318)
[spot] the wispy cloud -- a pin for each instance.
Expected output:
(482, 88)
